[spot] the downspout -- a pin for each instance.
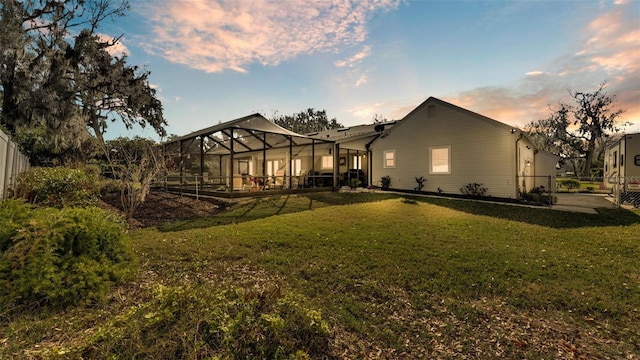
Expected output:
(518, 165)
(370, 158)
(336, 159)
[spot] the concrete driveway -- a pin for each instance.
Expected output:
(586, 203)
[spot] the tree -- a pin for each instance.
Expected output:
(135, 163)
(106, 89)
(306, 122)
(32, 42)
(57, 90)
(576, 130)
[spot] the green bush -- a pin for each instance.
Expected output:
(385, 182)
(107, 186)
(197, 321)
(57, 187)
(474, 189)
(13, 215)
(570, 183)
(61, 257)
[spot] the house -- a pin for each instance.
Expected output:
(452, 147)
(622, 163)
(448, 145)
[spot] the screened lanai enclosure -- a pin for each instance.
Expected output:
(248, 155)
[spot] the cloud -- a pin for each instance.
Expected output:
(361, 80)
(219, 35)
(536, 73)
(608, 51)
(355, 59)
(118, 49)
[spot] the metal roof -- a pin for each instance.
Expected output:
(250, 133)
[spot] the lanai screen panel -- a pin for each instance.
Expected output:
(217, 152)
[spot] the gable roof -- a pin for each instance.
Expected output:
(435, 101)
(432, 100)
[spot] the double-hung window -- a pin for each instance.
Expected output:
(440, 160)
(389, 158)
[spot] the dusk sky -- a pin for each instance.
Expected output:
(214, 61)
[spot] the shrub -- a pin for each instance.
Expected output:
(107, 186)
(420, 180)
(56, 187)
(570, 183)
(354, 183)
(61, 257)
(385, 182)
(538, 190)
(473, 189)
(13, 215)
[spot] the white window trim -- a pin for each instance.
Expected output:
(357, 162)
(448, 147)
(384, 159)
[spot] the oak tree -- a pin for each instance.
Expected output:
(575, 130)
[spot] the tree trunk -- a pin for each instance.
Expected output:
(588, 159)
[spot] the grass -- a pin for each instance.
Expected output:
(393, 277)
(591, 186)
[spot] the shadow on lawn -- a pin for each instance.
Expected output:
(542, 216)
(258, 208)
(266, 207)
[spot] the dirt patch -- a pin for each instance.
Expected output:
(162, 207)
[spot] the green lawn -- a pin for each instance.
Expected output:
(392, 277)
(593, 186)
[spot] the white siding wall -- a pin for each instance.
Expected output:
(546, 168)
(526, 166)
(481, 151)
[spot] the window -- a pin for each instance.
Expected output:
(243, 167)
(357, 162)
(272, 167)
(615, 159)
(327, 162)
(389, 158)
(296, 167)
(440, 160)
(636, 160)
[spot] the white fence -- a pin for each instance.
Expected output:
(12, 163)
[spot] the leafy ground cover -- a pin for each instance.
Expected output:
(391, 277)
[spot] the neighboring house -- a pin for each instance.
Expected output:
(622, 163)
(452, 147)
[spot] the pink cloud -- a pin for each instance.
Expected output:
(214, 36)
(610, 51)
